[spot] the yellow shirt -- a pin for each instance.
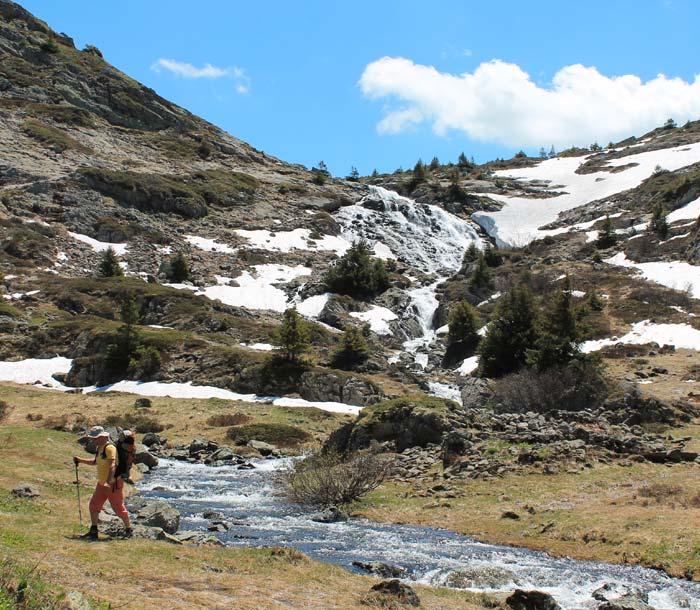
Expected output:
(103, 463)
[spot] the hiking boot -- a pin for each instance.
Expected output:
(128, 533)
(91, 534)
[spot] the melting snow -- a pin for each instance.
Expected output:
(520, 219)
(298, 239)
(378, 319)
(100, 246)
(261, 347)
(445, 390)
(675, 274)
(208, 245)
(690, 211)
(38, 371)
(469, 365)
(313, 306)
(681, 336)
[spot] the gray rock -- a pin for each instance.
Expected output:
(197, 445)
(614, 590)
(160, 514)
(143, 403)
(151, 438)
(142, 468)
(476, 393)
(397, 590)
(75, 600)
(381, 569)
(25, 490)
(626, 602)
(531, 600)
(332, 514)
(481, 577)
(143, 456)
(263, 449)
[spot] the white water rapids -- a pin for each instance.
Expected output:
(430, 556)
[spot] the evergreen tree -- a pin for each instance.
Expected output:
(543, 153)
(463, 335)
(419, 173)
(352, 350)
(552, 152)
(356, 274)
(492, 257)
(659, 224)
(109, 264)
(481, 276)
(455, 192)
(292, 338)
(178, 269)
(512, 334)
(127, 339)
(435, 163)
(354, 175)
(375, 173)
(559, 338)
(594, 302)
(322, 167)
(670, 124)
(607, 236)
(462, 160)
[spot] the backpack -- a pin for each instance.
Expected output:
(125, 455)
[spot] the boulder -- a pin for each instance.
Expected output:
(263, 449)
(381, 569)
(143, 456)
(476, 393)
(332, 514)
(75, 600)
(143, 403)
(151, 438)
(480, 577)
(455, 444)
(399, 591)
(626, 602)
(531, 600)
(198, 445)
(160, 514)
(25, 490)
(615, 590)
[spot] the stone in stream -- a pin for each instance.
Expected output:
(626, 602)
(614, 590)
(332, 514)
(381, 569)
(531, 600)
(263, 449)
(143, 456)
(480, 577)
(160, 514)
(399, 591)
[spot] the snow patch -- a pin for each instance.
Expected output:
(675, 274)
(297, 239)
(378, 319)
(682, 336)
(35, 371)
(690, 211)
(100, 246)
(469, 365)
(208, 245)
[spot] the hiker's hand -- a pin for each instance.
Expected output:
(76, 460)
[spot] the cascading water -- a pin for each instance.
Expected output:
(422, 235)
(430, 556)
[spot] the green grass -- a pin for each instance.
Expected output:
(51, 137)
(283, 435)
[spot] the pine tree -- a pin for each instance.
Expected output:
(481, 276)
(354, 175)
(356, 274)
(352, 350)
(435, 163)
(512, 334)
(462, 160)
(455, 192)
(375, 173)
(109, 264)
(659, 224)
(292, 338)
(594, 302)
(492, 257)
(178, 269)
(552, 152)
(607, 236)
(463, 335)
(127, 339)
(543, 153)
(559, 338)
(419, 173)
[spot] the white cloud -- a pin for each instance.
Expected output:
(242, 89)
(188, 70)
(498, 102)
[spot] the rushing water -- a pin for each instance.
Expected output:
(247, 498)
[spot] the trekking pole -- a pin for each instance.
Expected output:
(77, 487)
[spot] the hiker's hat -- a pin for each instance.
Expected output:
(96, 432)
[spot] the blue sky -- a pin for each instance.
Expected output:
(306, 81)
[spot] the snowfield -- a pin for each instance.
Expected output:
(675, 274)
(690, 211)
(298, 239)
(682, 336)
(209, 245)
(100, 246)
(35, 371)
(519, 221)
(378, 319)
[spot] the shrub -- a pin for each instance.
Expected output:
(327, 479)
(127, 339)
(481, 276)
(607, 236)
(292, 336)
(4, 409)
(276, 434)
(52, 137)
(134, 422)
(659, 224)
(177, 269)
(353, 349)
(228, 419)
(109, 264)
(145, 362)
(356, 274)
(579, 385)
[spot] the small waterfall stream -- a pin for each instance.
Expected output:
(430, 556)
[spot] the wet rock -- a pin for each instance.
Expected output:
(25, 490)
(143, 403)
(381, 569)
(397, 590)
(198, 538)
(332, 514)
(160, 514)
(531, 600)
(480, 577)
(262, 448)
(151, 438)
(626, 602)
(212, 514)
(614, 590)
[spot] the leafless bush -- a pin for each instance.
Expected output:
(660, 492)
(577, 386)
(4, 409)
(328, 479)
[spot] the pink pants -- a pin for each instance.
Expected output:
(114, 494)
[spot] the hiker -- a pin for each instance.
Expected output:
(110, 483)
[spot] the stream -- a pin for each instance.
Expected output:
(431, 556)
